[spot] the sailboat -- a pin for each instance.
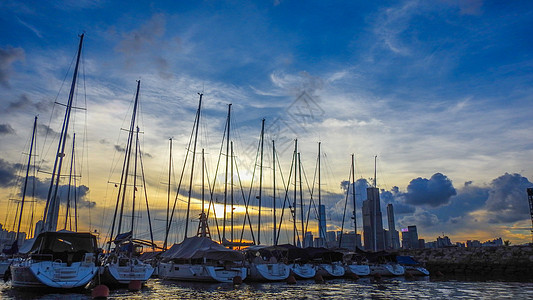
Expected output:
(261, 260)
(121, 265)
(58, 259)
(199, 258)
(354, 263)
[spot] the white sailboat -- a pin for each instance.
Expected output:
(121, 265)
(412, 266)
(58, 259)
(264, 263)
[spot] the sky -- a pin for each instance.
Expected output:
(440, 91)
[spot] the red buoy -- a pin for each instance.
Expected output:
(135, 285)
(100, 292)
(291, 280)
(237, 280)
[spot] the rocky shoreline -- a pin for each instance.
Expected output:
(502, 261)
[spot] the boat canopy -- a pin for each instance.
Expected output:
(64, 241)
(406, 260)
(201, 247)
(295, 253)
(324, 254)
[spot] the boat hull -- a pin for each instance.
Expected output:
(190, 272)
(330, 270)
(416, 270)
(114, 274)
(268, 272)
(52, 274)
(359, 270)
(302, 271)
(387, 270)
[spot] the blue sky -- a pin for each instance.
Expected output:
(439, 90)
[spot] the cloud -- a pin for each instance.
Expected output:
(507, 199)
(119, 148)
(7, 57)
(422, 219)
(6, 129)
(7, 174)
(397, 199)
(24, 102)
(433, 192)
(42, 187)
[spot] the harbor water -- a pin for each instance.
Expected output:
(364, 288)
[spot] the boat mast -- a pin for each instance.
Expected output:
(321, 234)
(274, 239)
(125, 168)
(301, 198)
(260, 182)
(168, 190)
(69, 186)
(354, 200)
(226, 173)
(295, 157)
(26, 179)
(231, 191)
(134, 180)
(375, 208)
(51, 210)
(192, 164)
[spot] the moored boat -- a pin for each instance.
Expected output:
(412, 266)
(265, 263)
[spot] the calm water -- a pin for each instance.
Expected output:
(395, 288)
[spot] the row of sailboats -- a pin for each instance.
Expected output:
(70, 259)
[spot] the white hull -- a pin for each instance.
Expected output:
(52, 274)
(387, 270)
(123, 274)
(268, 272)
(330, 270)
(359, 270)
(190, 272)
(304, 271)
(416, 270)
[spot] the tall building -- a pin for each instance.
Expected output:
(372, 221)
(322, 222)
(308, 239)
(410, 238)
(394, 237)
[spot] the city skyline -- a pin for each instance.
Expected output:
(430, 88)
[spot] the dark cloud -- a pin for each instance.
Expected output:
(433, 192)
(41, 188)
(7, 173)
(422, 219)
(507, 201)
(7, 57)
(119, 148)
(469, 198)
(6, 129)
(397, 198)
(24, 102)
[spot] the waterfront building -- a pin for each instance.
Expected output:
(493, 243)
(394, 238)
(473, 243)
(308, 239)
(331, 239)
(8, 237)
(349, 240)
(372, 221)
(443, 242)
(410, 238)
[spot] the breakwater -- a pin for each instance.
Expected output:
(502, 261)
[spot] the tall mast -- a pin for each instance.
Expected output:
(274, 239)
(375, 208)
(231, 190)
(226, 173)
(301, 196)
(321, 233)
(27, 175)
(260, 182)
(192, 164)
(295, 158)
(354, 200)
(126, 166)
(134, 179)
(70, 185)
(168, 190)
(51, 210)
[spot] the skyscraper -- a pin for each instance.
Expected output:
(394, 234)
(372, 221)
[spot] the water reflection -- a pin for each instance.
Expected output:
(364, 288)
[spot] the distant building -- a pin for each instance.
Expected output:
(494, 243)
(393, 240)
(8, 237)
(443, 242)
(308, 239)
(460, 245)
(410, 238)
(372, 221)
(421, 244)
(473, 244)
(331, 239)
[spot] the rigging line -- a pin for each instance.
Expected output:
(344, 212)
(146, 199)
(246, 214)
(286, 198)
(211, 191)
(167, 226)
